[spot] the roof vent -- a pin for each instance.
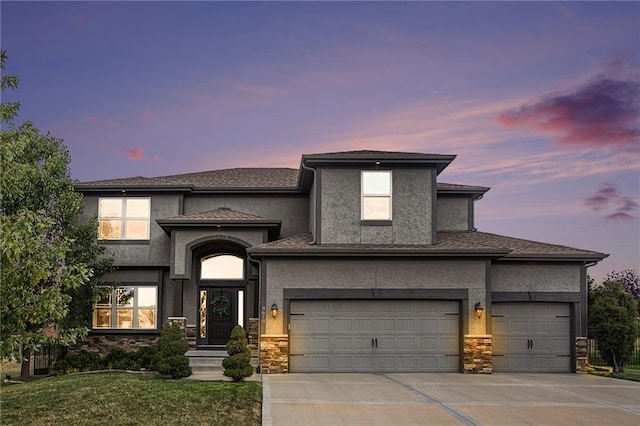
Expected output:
(224, 208)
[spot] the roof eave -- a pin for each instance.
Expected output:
(168, 225)
(380, 160)
(372, 252)
(595, 257)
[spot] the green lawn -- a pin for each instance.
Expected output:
(132, 399)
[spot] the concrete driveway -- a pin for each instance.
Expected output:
(448, 399)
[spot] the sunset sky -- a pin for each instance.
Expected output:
(539, 100)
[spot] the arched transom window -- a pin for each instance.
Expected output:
(222, 267)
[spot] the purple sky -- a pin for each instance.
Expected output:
(540, 101)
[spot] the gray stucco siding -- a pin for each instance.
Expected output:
(373, 274)
(340, 206)
(340, 209)
(183, 238)
(412, 206)
(545, 277)
(155, 251)
(292, 210)
(453, 213)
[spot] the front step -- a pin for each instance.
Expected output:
(206, 361)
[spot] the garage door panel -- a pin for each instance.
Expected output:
(531, 337)
(407, 336)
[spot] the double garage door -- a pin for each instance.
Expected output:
(374, 336)
(531, 337)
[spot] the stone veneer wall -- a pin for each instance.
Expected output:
(104, 343)
(582, 355)
(274, 353)
(253, 333)
(478, 354)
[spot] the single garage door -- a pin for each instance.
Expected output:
(531, 337)
(374, 336)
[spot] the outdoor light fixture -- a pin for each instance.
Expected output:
(274, 310)
(479, 310)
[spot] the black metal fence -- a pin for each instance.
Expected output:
(596, 359)
(46, 356)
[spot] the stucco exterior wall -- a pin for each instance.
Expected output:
(453, 213)
(293, 210)
(182, 259)
(375, 274)
(535, 277)
(154, 252)
(340, 214)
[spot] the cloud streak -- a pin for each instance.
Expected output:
(602, 113)
(608, 197)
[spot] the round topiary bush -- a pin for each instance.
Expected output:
(238, 364)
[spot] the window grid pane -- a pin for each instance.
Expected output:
(222, 267)
(124, 218)
(135, 307)
(376, 200)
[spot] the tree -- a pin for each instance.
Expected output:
(612, 315)
(45, 258)
(238, 364)
(630, 280)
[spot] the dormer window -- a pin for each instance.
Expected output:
(376, 195)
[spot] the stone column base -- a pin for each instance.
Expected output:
(478, 354)
(274, 353)
(582, 355)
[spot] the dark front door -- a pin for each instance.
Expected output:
(222, 314)
(220, 309)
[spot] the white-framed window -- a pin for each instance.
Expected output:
(124, 218)
(376, 195)
(127, 307)
(222, 267)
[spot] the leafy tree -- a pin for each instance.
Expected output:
(238, 364)
(612, 315)
(46, 259)
(630, 280)
(172, 347)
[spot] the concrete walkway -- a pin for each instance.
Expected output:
(448, 399)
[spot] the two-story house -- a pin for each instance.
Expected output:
(355, 262)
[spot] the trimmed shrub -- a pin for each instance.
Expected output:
(146, 355)
(238, 364)
(78, 361)
(172, 347)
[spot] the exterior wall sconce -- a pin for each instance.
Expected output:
(274, 310)
(479, 310)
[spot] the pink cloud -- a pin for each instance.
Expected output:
(134, 154)
(80, 21)
(92, 119)
(602, 113)
(112, 124)
(157, 159)
(146, 116)
(608, 196)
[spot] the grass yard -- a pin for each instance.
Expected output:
(129, 398)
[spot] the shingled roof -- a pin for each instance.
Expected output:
(449, 243)
(231, 179)
(221, 214)
(238, 178)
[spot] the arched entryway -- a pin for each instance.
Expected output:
(225, 291)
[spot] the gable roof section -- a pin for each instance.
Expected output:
(449, 244)
(220, 217)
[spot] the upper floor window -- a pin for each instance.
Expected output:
(222, 267)
(129, 307)
(124, 218)
(376, 195)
